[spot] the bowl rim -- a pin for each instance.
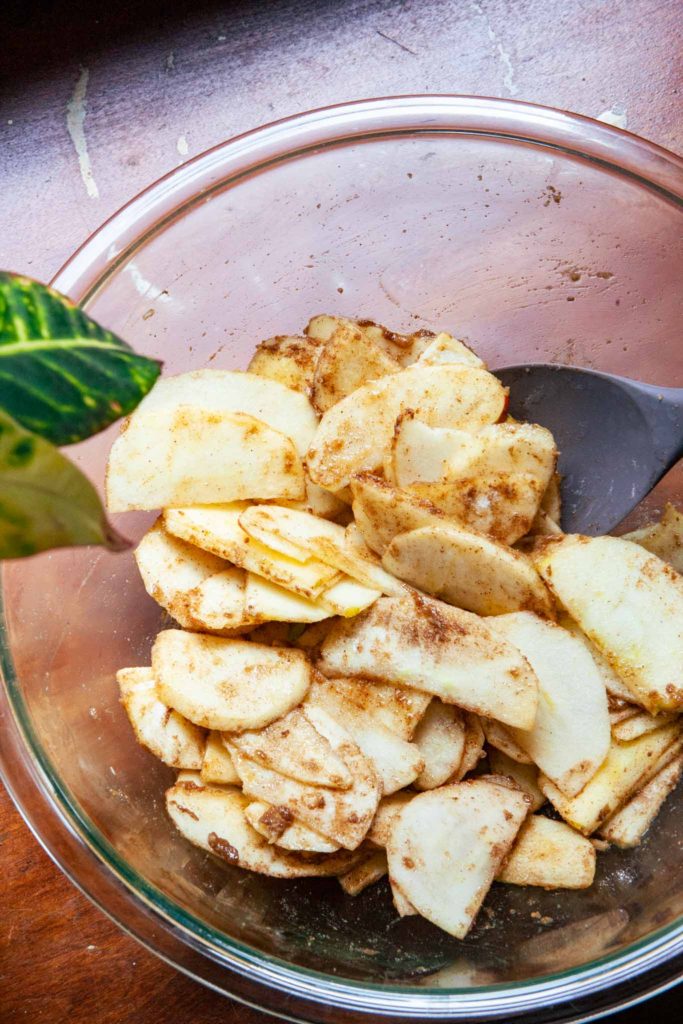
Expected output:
(86, 271)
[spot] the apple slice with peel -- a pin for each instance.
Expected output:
(187, 455)
(627, 768)
(570, 736)
(164, 732)
(347, 361)
(396, 761)
(293, 747)
(343, 815)
(383, 511)
(440, 737)
(524, 775)
(218, 530)
(630, 823)
(447, 846)
(549, 854)
(217, 766)
(229, 685)
(629, 603)
(171, 569)
(467, 570)
(277, 825)
(228, 391)
(213, 818)
(301, 535)
(355, 434)
(421, 643)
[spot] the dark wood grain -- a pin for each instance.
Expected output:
(164, 82)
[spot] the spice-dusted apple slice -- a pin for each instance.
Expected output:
(218, 530)
(627, 767)
(427, 645)
(524, 775)
(278, 826)
(630, 726)
(447, 846)
(347, 597)
(166, 733)
(382, 511)
(385, 816)
(501, 738)
(615, 686)
(396, 761)
(267, 602)
(629, 603)
(213, 818)
(549, 854)
(447, 349)
(664, 539)
(288, 359)
(228, 391)
(366, 873)
(170, 569)
(219, 601)
(467, 570)
(301, 535)
(344, 815)
(475, 740)
(440, 737)
(217, 766)
(570, 736)
(395, 707)
(405, 348)
(225, 684)
(293, 747)
(355, 434)
(191, 456)
(347, 361)
(628, 826)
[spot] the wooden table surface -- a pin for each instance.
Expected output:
(99, 99)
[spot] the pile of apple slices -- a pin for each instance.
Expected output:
(390, 658)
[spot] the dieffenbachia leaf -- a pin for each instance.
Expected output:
(61, 374)
(45, 500)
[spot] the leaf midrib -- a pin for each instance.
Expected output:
(19, 347)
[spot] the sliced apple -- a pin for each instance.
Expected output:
(467, 570)
(501, 738)
(190, 456)
(664, 539)
(549, 854)
(473, 751)
(164, 732)
(404, 907)
(395, 707)
(301, 535)
(427, 645)
(229, 685)
(396, 761)
(213, 818)
(369, 871)
(440, 737)
(320, 502)
(403, 347)
(356, 433)
(344, 815)
(218, 530)
(289, 360)
(170, 569)
(217, 766)
(570, 736)
(523, 775)
(218, 602)
(286, 411)
(266, 601)
(628, 826)
(615, 686)
(448, 845)
(383, 511)
(447, 349)
(387, 812)
(292, 746)
(634, 725)
(348, 597)
(627, 767)
(277, 825)
(424, 454)
(347, 361)
(630, 604)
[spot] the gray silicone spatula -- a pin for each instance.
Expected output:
(617, 437)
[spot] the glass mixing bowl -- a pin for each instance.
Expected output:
(534, 234)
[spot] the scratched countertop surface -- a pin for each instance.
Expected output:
(97, 100)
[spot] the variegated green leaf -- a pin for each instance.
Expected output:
(45, 501)
(61, 374)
